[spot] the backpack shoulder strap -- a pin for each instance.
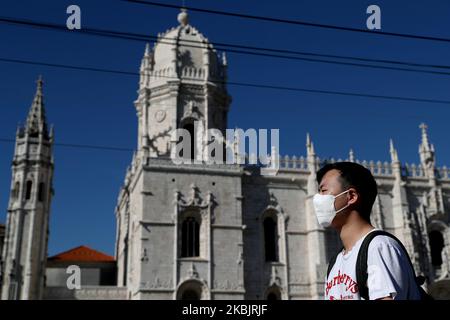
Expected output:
(361, 261)
(333, 261)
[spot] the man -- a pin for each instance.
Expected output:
(346, 195)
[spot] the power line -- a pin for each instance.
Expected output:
(79, 146)
(341, 93)
(287, 21)
(242, 84)
(143, 37)
(138, 36)
(66, 66)
(226, 47)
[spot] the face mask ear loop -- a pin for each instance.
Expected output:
(340, 194)
(342, 208)
(345, 207)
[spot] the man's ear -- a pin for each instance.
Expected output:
(353, 196)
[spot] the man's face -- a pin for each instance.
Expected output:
(331, 184)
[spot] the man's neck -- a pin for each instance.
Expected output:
(354, 229)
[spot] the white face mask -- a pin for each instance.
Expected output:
(324, 208)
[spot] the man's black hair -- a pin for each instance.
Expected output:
(356, 176)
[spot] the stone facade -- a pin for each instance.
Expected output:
(2, 240)
(231, 204)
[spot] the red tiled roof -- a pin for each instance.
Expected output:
(82, 254)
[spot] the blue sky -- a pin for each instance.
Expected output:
(97, 108)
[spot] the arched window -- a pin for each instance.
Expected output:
(190, 294)
(270, 239)
(273, 293)
(190, 290)
(41, 193)
(211, 141)
(16, 191)
(190, 128)
(190, 238)
(125, 261)
(28, 191)
(272, 296)
(436, 246)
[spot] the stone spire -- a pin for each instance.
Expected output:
(428, 162)
(351, 156)
(312, 165)
(225, 66)
(147, 49)
(36, 122)
(146, 66)
(425, 142)
(309, 146)
(147, 60)
(396, 171)
(426, 152)
(316, 242)
(393, 151)
(400, 208)
(224, 59)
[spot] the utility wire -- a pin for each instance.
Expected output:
(287, 21)
(78, 146)
(234, 83)
(313, 57)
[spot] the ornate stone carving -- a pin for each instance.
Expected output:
(273, 204)
(160, 115)
(273, 201)
(157, 284)
(275, 280)
(192, 111)
(193, 274)
(226, 285)
(144, 256)
(240, 258)
(194, 199)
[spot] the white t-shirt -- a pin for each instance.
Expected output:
(388, 268)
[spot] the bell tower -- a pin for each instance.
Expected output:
(25, 247)
(182, 86)
(177, 221)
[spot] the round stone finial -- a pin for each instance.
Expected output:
(183, 17)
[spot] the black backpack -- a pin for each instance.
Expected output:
(361, 266)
